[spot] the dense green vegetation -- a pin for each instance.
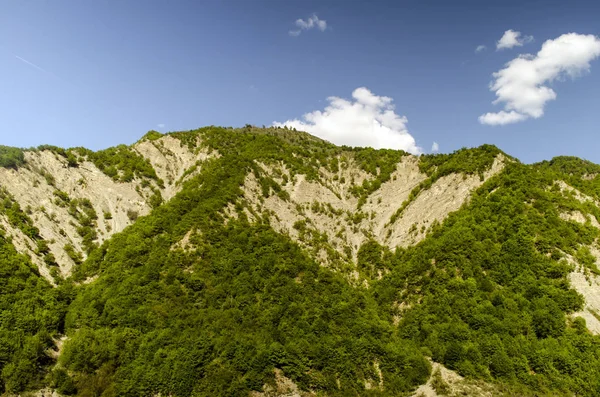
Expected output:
(151, 136)
(11, 157)
(217, 320)
(466, 161)
(581, 174)
(486, 293)
(31, 314)
(31, 310)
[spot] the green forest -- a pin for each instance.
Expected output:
(486, 293)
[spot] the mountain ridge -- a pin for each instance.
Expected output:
(71, 173)
(269, 250)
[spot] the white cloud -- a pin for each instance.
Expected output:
(367, 120)
(160, 125)
(511, 39)
(520, 86)
(480, 48)
(501, 118)
(312, 22)
(435, 147)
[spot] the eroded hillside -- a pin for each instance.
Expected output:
(77, 199)
(266, 261)
(328, 216)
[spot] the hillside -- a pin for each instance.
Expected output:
(268, 262)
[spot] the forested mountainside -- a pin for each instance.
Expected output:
(262, 262)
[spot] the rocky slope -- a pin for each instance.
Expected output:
(54, 195)
(46, 186)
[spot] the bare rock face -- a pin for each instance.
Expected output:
(36, 195)
(588, 285)
(170, 159)
(75, 206)
(329, 208)
(48, 190)
(581, 278)
(445, 382)
(46, 393)
(284, 387)
(446, 195)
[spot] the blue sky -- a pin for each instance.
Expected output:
(100, 73)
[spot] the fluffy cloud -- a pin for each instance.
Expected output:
(435, 147)
(366, 120)
(520, 86)
(480, 48)
(310, 23)
(501, 118)
(160, 125)
(511, 39)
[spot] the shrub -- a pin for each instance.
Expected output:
(132, 215)
(439, 384)
(11, 157)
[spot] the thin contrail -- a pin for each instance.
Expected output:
(32, 64)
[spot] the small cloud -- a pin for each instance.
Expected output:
(311, 23)
(522, 86)
(480, 48)
(511, 39)
(160, 125)
(501, 118)
(364, 120)
(435, 147)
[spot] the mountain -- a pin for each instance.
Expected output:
(263, 262)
